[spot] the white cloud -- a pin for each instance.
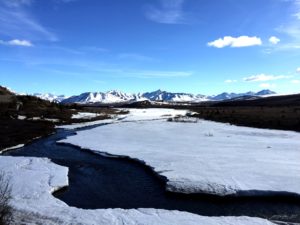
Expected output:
(265, 77)
(274, 40)
(20, 43)
(16, 42)
(295, 81)
(267, 85)
(235, 42)
(298, 70)
(230, 81)
(169, 12)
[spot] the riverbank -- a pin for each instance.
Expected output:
(24, 118)
(21, 130)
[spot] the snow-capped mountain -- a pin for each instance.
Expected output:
(227, 96)
(158, 95)
(50, 97)
(265, 92)
(107, 97)
(173, 97)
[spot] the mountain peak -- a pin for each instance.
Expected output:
(265, 92)
(158, 91)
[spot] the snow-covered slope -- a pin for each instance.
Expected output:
(159, 95)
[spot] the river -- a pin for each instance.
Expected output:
(98, 182)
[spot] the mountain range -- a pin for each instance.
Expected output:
(51, 97)
(159, 95)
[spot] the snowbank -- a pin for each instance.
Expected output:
(133, 115)
(152, 114)
(204, 157)
(34, 179)
(21, 117)
(11, 148)
(85, 124)
(84, 115)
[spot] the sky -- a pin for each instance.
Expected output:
(193, 46)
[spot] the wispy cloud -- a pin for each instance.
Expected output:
(168, 12)
(16, 42)
(81, 67)
(295, 81)
(17, 21)
(65, 72)
(120, 72)
(20, 3)
(65, 1)
(298, 70)
(157, 74)
(62, 49)
(94, 49)
(230, 81)
(16, 3)
(137, 73)
(100, 81)
(292, 27)
(134, 56)
(265, 77)
(235, 42)
(267, 85)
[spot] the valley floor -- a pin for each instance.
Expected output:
(195, 156)
(198, 156)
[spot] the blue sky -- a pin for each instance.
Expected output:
(208, 46)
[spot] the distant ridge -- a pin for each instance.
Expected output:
(227, 96)
(50, 97)
(158, 95)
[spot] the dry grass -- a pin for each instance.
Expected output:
(5, 197)
(283, 117)
(15, 131)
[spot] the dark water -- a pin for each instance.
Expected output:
(100, 182)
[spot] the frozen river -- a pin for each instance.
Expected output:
(97, 182)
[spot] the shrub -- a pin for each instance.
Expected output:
(209, 134)
(170, 119)
(5, 197)
(183, 119)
